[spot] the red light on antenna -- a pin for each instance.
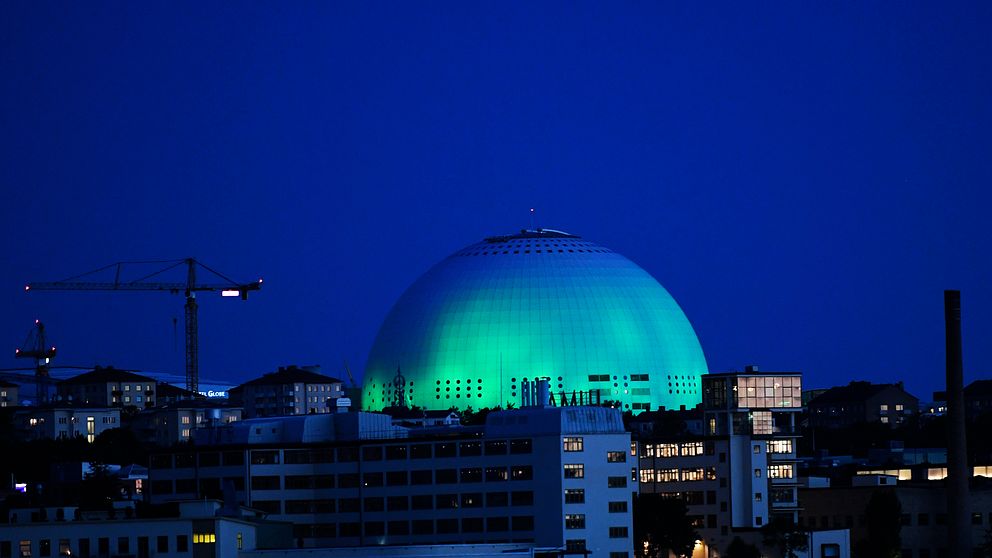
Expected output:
(27, 287)
(36, 322)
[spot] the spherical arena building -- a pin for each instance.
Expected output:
(534, 305)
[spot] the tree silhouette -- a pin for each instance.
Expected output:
(662, 525)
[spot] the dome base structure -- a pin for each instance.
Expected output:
(540, 304)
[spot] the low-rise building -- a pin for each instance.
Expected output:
(196, 531)
(862, 403)
(108, 387)
(178, 422)
(538, 476)
(978, 398)
(289, 391)
(61, 421)
(9, 394)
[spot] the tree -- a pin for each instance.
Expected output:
(662, 525)
(741, 549)
(883, 518)
(785, 537)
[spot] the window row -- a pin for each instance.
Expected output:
(678, 475)
(465, 500)
(85, 547)
(416, 527)
(685, 449)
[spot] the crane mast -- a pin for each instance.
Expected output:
(189, 288)
(36, 347)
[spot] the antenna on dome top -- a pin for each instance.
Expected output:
(532, 219)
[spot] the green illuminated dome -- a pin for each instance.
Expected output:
(539, 304)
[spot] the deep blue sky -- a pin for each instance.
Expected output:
(805, 179)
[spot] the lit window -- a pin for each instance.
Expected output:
(575, 470)
(572, 443)
(668, 450)
(185, 420)
(668, 475)
(185, 433)
(692, 448)
(883, 408)
(575, 521)
(616, 457)
(899, 407)
(127, 388)
(779, 471)
(204, 538)
(779, 446)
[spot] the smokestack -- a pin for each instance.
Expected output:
(958, 501)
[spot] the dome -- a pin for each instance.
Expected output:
(538, 304)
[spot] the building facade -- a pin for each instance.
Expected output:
(108, 387)
(63, 421)
(197, 532)
(289, 391)
(740, 474)
(862, 403)
(178, 422)
(544, 476)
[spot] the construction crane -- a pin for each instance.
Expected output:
(36, 347)
(189, 288)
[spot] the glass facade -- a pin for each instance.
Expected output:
(534, 305)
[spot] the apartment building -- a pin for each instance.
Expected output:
(740, 474)
(290, 390)
(541, 476)
(108, 387)
(60, 421)
(862, 403)
(197, 531)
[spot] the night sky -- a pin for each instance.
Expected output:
(805, 179)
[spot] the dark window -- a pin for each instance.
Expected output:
(322, 456)
(84, 548)
(575, 545)
(422, 502)
(348, 480)
(348, 505)
(446, 501)
(525, 445)
(375, 528)
(161, 487)
(470, 449)
(296, 457)
(210, 459)
(618, 507)
(976, 519)
(123, 545)
(445, 449)
(372, 453)
(496, 499)
(618, 532)
(398, 527)
(161, 461)
(347, 455)
(497, 524)
(265, 483)
(472, 474)
(522, 498)
(447, 526)
(396, 478)
(350, 529)
(521, 472)
(923, 519)
(523, 523)
(258, 457)
(422, 476)
(496, 447)
(44, 547)
(143, 550)
(234, 458)
(446, 476)
(472, 500)
(396, 452)
(185, 486)
(421, 451)
(616, 482)
(372, 479)
(472, 525)
(575, 521)
(397, 503)
(423, 526)
(375, 504)
(575, 496)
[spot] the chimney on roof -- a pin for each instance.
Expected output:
(956, 487)
(751, 368)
